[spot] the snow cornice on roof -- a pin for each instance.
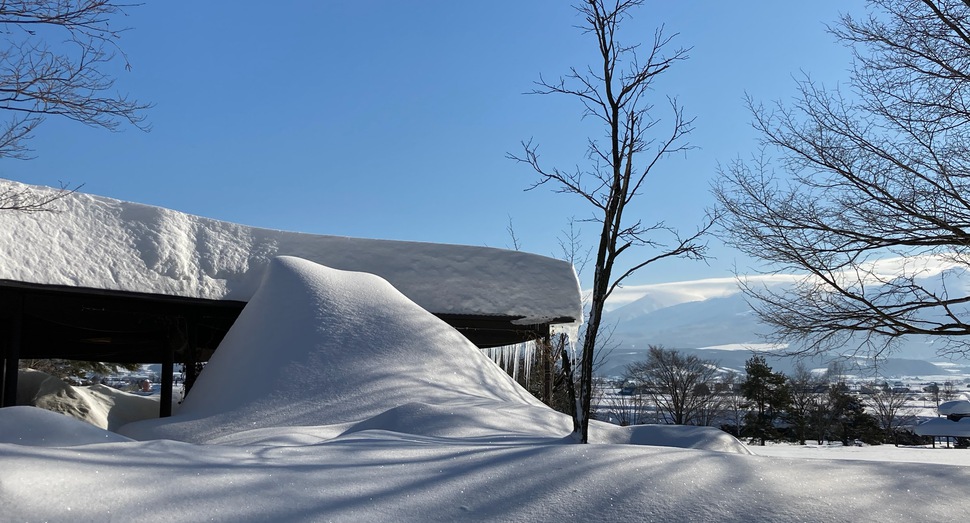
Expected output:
(102, 243)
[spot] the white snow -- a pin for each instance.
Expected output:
(659, 295)
(39, 427)
(944, 427)
(102, 243)
(320, 346)
(335, 398)
(954, 407)
(958, 427)
(748, 347)
(924, 454)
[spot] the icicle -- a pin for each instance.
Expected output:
(515, 359)
(529, 356)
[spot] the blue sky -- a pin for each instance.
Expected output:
(391, 119)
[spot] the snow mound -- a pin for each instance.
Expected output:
(37, 427)
(98, 405)
(319, 354)
(320, 346)
(493, 422)
(683, 436)
(959, 427)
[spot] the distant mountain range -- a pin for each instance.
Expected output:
(713, 318)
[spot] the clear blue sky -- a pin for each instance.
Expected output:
(391, 119)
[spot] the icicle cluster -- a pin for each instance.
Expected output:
(515, 359)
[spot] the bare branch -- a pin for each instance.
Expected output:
(881, 174)
(52, 63)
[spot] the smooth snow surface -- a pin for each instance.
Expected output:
(103, 243)
(37, 427)
(319, 346)
(335, 398)
(944, 427)
(961, 407)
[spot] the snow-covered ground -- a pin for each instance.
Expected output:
(927, 454)
(336, 398)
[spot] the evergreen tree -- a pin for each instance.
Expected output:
(769, 395)
(850, 420)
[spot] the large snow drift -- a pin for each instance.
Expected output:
(103, 243)
(320, 346)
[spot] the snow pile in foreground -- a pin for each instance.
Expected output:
(378, 475)
(104, 243)
(34, 426)
(336, 398)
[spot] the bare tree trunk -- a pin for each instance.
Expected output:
(615, 92)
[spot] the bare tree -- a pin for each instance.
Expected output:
(948, 391)
(879, 170)
(621, 408)
(616, 93)
(682, 386)
(889, 406)
(716, 404)
(53, 61)
(804, 387)
(735, 404)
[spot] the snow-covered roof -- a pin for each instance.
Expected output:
(102, 243)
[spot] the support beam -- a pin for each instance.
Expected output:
(168, 371)
(11, 350)
(191, 356)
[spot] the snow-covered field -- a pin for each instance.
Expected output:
(941, 455)
(335, 398)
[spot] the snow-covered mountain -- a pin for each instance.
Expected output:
(714, 315)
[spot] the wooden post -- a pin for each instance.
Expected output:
(191, 354)
(168, 370)
(11, 353)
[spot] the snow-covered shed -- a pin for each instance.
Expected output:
(107, 280)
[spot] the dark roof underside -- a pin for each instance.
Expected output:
(124, 327)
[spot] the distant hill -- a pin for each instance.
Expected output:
(709, 316)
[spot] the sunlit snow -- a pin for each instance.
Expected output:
(334, 397)
(102, 243)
